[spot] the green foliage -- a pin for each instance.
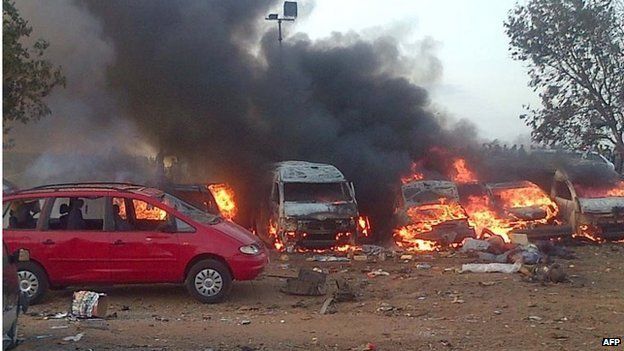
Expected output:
(574, 50)
(27, 77)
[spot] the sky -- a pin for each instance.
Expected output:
(480, 81)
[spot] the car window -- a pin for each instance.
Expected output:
(77, 213)
(562, 190)
(147, 217)
(22, 214)
(121, 220)
(183, 227)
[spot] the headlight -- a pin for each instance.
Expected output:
(252, 249)
(290, 224)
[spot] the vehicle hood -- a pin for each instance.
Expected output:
(233, 230)
(528, 213)
(320, 211)
(602, 205)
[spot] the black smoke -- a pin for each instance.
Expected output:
(206, 81)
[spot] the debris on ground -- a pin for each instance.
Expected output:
(309, 282)
(88, 304)
(344, 292)
(544, 273)
(491, 267)
(328, 306)
(76, 337)
(327, 258)
(423, 266)
(377, 272)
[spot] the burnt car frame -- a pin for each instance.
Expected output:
(307, 205)
(427, 194)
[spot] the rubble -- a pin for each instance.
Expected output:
(309, 282)
(491, 267)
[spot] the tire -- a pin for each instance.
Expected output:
(209, 281)
(33, 280)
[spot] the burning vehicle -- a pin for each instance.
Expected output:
(309, 206)
(214, 198)
(591, 200)
(429, 214)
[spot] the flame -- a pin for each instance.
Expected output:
(364, 226)
(224, 195)
(615, 190)
(484, 216)
(143, 210)
(462, 174)
(589, 232)
(423, 219)
(415, 175)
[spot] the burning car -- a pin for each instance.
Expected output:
(214, 198)
(307, 205)
(429, 214)
(591, 199)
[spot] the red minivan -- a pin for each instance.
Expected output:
(117, 233)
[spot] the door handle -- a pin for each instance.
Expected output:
(48, 242)
(118, 242)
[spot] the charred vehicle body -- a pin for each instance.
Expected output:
(307, 205)
(591, 200)
(430, 210)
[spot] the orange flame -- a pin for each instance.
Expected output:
(415, 175)
(423, 219)
(462, 174)
(224, 195)
(364, 226)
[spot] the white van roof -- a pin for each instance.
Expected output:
(307, 172)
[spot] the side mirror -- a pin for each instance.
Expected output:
(21, 255)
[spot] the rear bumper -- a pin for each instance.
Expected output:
(247, 267)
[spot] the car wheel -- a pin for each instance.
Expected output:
(209, 281)
(33, 281)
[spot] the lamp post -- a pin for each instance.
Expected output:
(290, 13)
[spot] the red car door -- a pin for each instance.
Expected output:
(142, 250)
(20, 219)
(77, 240)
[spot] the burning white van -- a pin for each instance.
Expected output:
(307, 205)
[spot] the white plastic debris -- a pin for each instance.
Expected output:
(76, 337)
(491, 267)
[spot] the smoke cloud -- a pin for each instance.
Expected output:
(206, 81)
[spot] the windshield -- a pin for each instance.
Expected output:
(316, 192)
(529, 196)
(188, 209)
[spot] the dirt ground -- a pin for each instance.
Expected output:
(411, 309)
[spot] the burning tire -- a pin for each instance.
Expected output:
(209, 281)
(33, 281)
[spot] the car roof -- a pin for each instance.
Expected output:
(92, 187)
(308, 172)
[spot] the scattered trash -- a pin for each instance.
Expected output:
(406, 257)
(76, 337)
(344, 292)
(59, 327)
(373, 250)
(87, 304)
(497, 312)
(470, 244)
(365, 347)
(534, 318)
(487, 283)
(385, 307)
(457, 300)
(309, 282)
(423, 266)
(245, 322)
(59, 315)
(327, 258)
(553, 273)
(43, 336)
(360, 258)
(376, 272)
(328, 306)
(491, 267)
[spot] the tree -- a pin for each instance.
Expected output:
(575, 54)
(27, 76)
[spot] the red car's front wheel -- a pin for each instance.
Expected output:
(209, 281)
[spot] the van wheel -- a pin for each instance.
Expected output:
(209, 281)
(33, 281)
